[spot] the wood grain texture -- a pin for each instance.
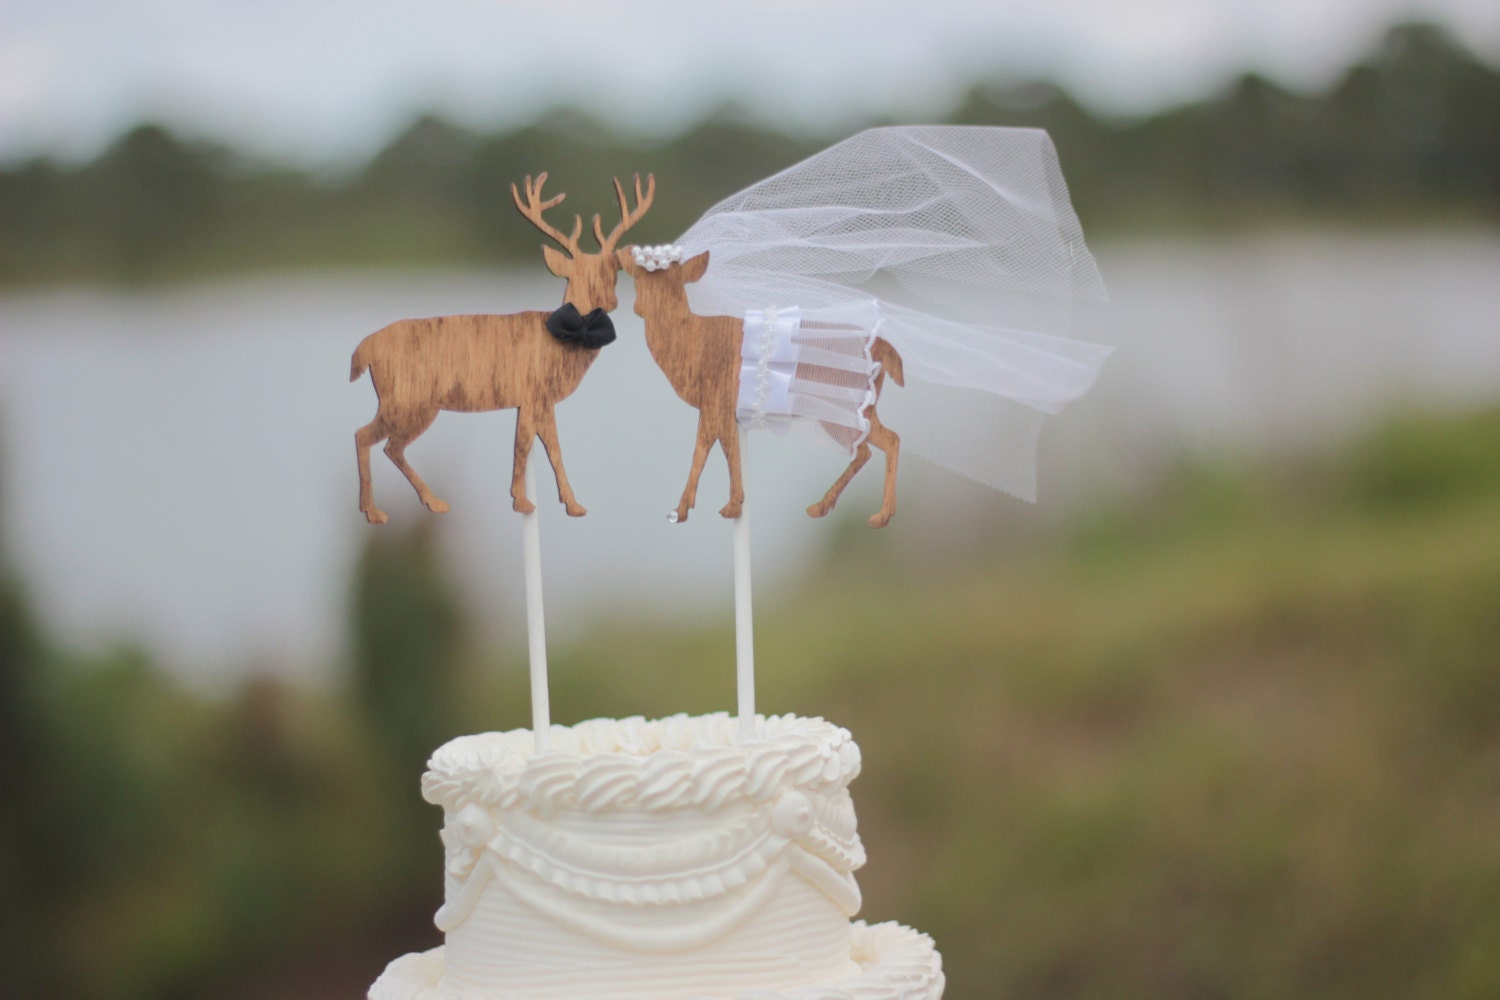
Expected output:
(477, 363)
(700, 355)
(881, 436)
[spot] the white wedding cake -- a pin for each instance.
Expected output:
(662, 859)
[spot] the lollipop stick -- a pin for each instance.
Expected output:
(744, 637)
(536, 625)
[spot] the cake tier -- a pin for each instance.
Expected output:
(892, 962)
(666, 859)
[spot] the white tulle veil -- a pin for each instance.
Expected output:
(957, 245)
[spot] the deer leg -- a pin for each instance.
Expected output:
(525, 437)
(700, 456)
(823, 506)
(889, 442)
(366, 438)
(546, 426)
(730, 443)
(395, 450)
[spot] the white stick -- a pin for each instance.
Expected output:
(744, 637)
(536, 623)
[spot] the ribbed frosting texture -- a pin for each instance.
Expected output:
(664, 859)
(894, 963)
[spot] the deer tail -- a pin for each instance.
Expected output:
(360, 361)
(883, 352)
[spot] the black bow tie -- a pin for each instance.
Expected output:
(592, 331)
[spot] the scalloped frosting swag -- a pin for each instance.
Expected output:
(502, 808)
(665, 858)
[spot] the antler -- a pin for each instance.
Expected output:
(628, 218)
(534, 207)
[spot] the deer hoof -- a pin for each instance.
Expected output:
(575, 509)
(523, 506)
(731, 510)
(881, 519)
(677, 516)
(819, 509)
(374, 515)
(436, 506)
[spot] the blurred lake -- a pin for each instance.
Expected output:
(177, 464)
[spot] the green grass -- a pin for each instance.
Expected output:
(1237, 738)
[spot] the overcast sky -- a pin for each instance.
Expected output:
(326, 82)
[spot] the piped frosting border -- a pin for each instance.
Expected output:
(646, 765)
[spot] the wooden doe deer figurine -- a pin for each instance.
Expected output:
(701, 357)
(528, 361)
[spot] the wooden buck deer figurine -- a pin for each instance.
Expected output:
(528, 361)
(701, 357)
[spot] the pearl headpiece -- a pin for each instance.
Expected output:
(658, 257)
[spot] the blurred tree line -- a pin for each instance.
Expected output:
(1409, 133)
(157, 845)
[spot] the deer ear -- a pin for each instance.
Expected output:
(694, 267)
(557, 261)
